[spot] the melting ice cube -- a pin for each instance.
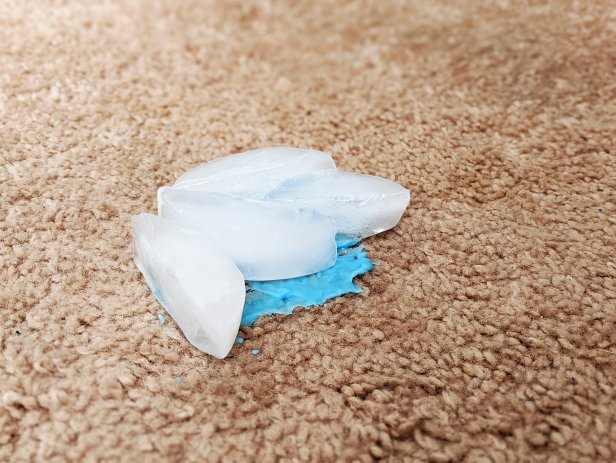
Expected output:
(196, 282)
(265, 240)
(360, 205)
(254, 171)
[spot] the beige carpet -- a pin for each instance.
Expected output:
(487, 334)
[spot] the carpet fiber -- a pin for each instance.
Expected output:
(488, 333)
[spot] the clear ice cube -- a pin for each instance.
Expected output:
(196, 282)
(254, 171)
(267, 241)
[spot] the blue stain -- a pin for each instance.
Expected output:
(158, 295)
(178, 379)
(161, 318)
(255, 351)
(282, 296)
(239, 340)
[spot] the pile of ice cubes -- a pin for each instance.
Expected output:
(267, 214)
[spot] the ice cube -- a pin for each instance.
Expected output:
(254, 171)
(196, 282)
(267, 241)
(360, 205)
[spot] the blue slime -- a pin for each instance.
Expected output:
(282, 296)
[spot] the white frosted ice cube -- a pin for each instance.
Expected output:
(254, 171)
(360, 205)
(267, 241)
(196, 282)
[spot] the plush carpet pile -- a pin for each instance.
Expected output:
(488, 332)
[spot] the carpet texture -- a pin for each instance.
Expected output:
(487, 333)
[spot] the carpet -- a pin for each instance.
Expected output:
(486, 334)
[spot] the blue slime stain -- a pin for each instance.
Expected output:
(282, 296)
(157, 294)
